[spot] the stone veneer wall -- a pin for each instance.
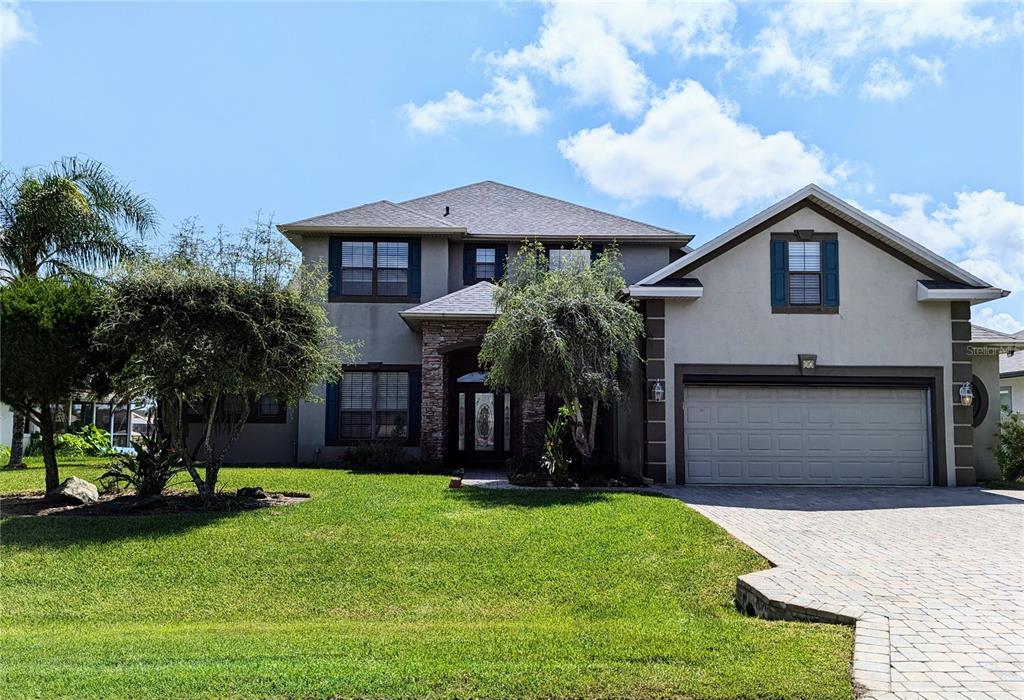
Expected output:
(963, 416)
(439, 338)
(654, 427)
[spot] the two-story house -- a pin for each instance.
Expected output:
(809, 344)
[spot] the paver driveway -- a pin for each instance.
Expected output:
(935, 576)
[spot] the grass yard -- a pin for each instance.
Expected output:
(394, 586)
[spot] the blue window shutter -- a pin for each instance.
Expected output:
(415, 397)
(331, 430)
(334, 266)
(500, 255)
(468, 262)
(830, 272)
(414, 269)
(779, 249)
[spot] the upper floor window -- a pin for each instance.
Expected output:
(568, 258)
(804, 273)
(368, 269)
(483, 262)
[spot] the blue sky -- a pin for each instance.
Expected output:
(691, 117)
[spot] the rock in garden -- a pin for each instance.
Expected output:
(75, 490)
(251, 492)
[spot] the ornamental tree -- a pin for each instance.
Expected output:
(208, 327)
(71, 218)
(45, 350)
(566, 332)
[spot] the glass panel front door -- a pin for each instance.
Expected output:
(484, 422)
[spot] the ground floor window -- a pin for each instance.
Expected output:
(374, 404)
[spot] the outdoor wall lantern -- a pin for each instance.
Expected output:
(658, 391)
(966, 394)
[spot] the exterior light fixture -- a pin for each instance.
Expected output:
(966, 394)
(658, 391)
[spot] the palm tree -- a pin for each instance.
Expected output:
(69, 219)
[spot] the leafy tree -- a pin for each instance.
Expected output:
(70, 218)
(209, 327)
(564, 332)
(45, 352)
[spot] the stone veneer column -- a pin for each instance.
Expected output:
(963, 416)
(654, 427)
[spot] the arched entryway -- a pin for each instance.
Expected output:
(480, 419)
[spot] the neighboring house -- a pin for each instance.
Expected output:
(1011, 378)
(989, 350)
(810, 344)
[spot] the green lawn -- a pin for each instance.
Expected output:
(394, 586)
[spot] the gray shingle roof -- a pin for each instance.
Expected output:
(1012, 364)
(980, 334)
(490, 209)
(476, 301)
(377, 215)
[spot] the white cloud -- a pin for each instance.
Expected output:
(929, 69)
(510, 102)
(15, 25)
(983, 232)
(804, 43)
(692, 148)
(589, 47)
(997, 321)
(885, 82)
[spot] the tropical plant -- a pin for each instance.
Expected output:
(148, 470)
(70, 218)
(208, 329)
(555, 460)
(565, 332)
(1009, 445)
(46, 353)
(94, 440)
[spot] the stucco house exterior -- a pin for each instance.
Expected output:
(1011, 378)
(810, 344)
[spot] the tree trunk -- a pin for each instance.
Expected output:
(17, 460)
(49, 452)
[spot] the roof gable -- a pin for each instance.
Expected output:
(839, 211)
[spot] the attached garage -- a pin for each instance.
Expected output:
(806, 434)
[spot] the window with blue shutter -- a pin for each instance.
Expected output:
(804, 272)
(368, 269)
(372, 403)
(483, 262)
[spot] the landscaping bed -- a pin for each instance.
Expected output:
(114, 504)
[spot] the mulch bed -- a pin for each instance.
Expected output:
(34, 503)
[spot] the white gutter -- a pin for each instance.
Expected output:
(645, 292)
(975, 295)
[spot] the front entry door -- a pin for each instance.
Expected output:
(481, 425)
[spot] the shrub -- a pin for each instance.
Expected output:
(92, 440)
(1009, 446)
(556, 461)
(386, 455)
(148, 470)
(526, 471)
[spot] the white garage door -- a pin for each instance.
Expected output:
(806, 435)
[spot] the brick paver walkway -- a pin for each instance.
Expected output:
(934, 577)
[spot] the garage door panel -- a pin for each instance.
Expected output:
(814, 435)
